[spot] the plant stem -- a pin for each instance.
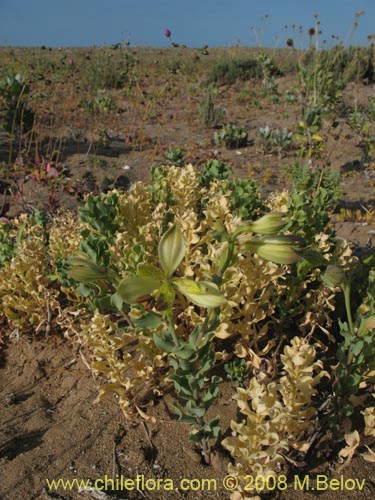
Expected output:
(228, 259)
(172, 330)
(347, 307)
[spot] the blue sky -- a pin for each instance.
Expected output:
(192, 22)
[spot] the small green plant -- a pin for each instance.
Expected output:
(231, 136)
(175, 156)
(270, 90)
(269, 82)
(356, 352)
(289, 97)
(238, 371)
(312, 196)
(19, 118)
(210, 115)
(281, 140)
(362, 126)
(371, 109)
(312, 143)
(214, 170)
(274, 140)
(102, 103)
(357, 121)
(229, 72)
(109, 69)
(7, 248)
(264, 139)
(245, 198)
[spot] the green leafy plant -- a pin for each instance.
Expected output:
(312, 143)
(102, 103)
(245, 198)
(357, 120)
(264, 139)
(231, 136)
(269, 82)
(354, 372)
(109, 69)
(289, 97)
(371, 109)
(175, 156)
(312, 197)
(228, 72)
(190, 360)
(19, 118)
(212, 170)
(320, 84)
(274, 140)
(93, 261)
(238, 371)
(7, 248)
(282, 140)
(210, 115)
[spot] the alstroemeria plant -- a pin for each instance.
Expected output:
(161, 282)
(192, 358)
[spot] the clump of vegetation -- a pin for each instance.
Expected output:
(324, 74)
(269, 73)
(308, 133)
(231, 136)
(171, 273)
(313, 195)
(175, 156)
(238, 371)
(210, 115)
(19, 118)
(229, 72)
(111, 69)
(274, 140)
(101, 103)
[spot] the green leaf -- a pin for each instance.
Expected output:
(182, 386)
(149, 272)
(163, 344)
(193, 409)
(85, 270)
(212, 428)
(132, 288)
(195, 436)
(83, 290)
(117, 301)
(184, 352)
(171, 249)
(183, 418)
(193, 337)
(201, 293)
(357, 347)
(148, 320)
(314, 257)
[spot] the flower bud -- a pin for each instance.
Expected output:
(270, 223)
(85, 271)
(334, 276)
(281, 249)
